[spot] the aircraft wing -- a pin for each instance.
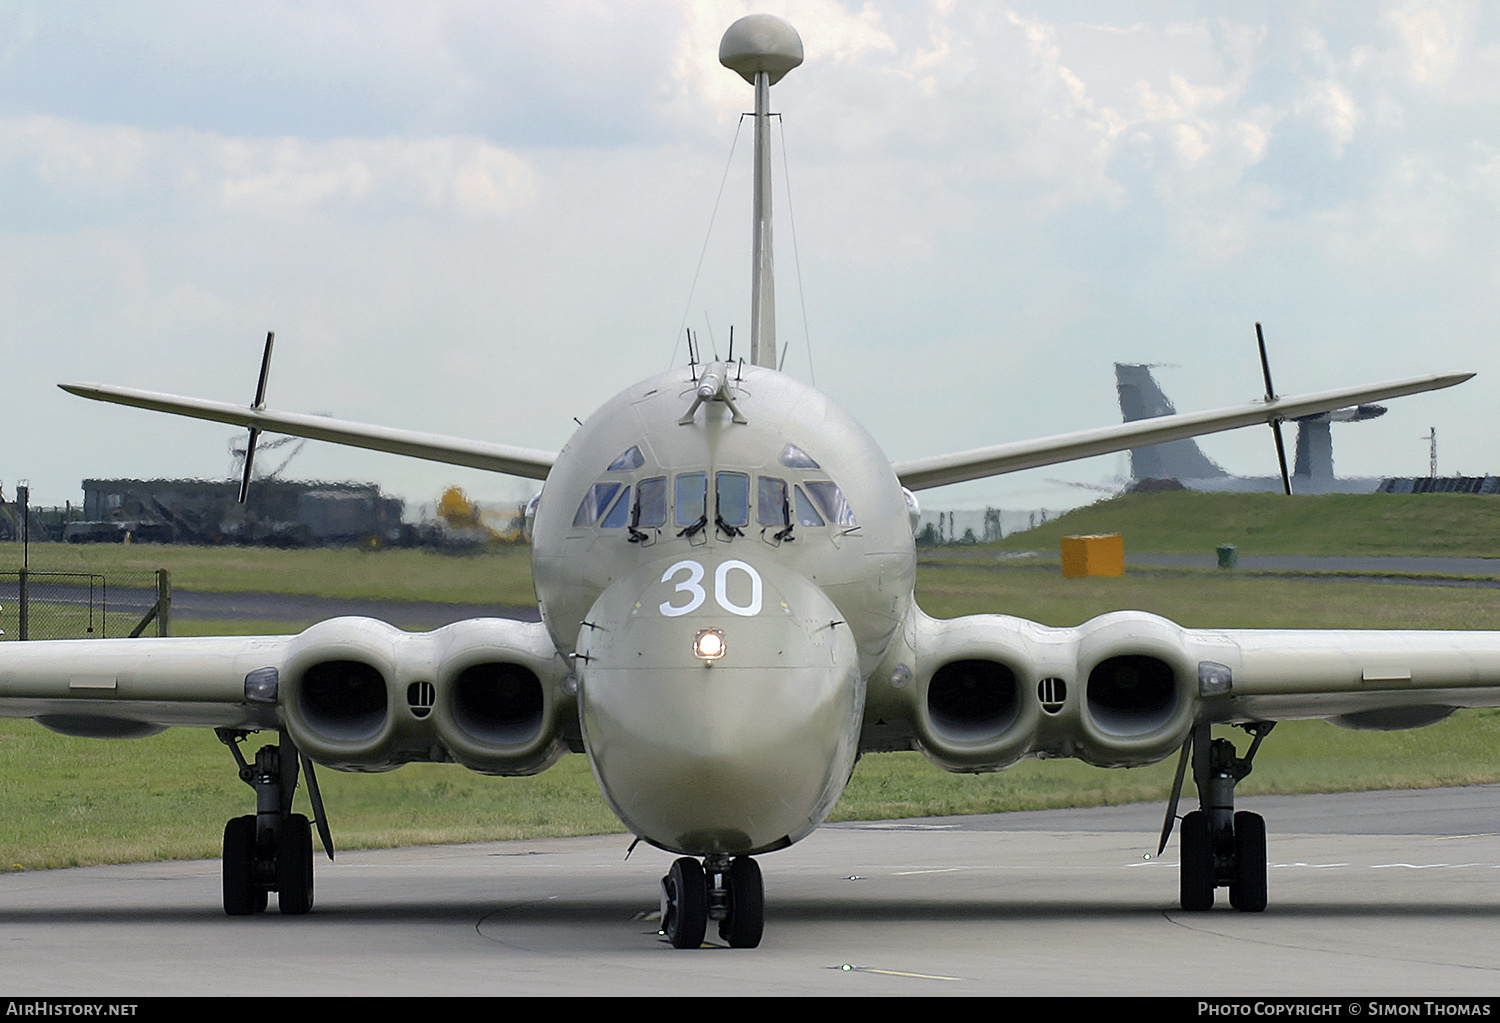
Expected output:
(939, 470)
(132, 687)
(353, 693)
(1373, 679)
(1127, 688)
(515, 461)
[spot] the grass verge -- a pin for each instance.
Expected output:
(72, 801)
(1184, 522)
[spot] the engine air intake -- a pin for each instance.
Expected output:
(498, 703)
(343, 700)
(971, 700)
(1132, 694)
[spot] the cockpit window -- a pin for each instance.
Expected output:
(794, 457)
(691, 499)
(732, 498)
(615, 517)
(595, 502)
(832, 501)
(632, 459)
(650, 503)
(807, 515)
(771, 505)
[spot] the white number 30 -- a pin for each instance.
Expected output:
(693, 587)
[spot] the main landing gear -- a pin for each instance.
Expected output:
(1221, 847)
(723, 889)
(271, 849)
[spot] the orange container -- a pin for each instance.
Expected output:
(1103, 554)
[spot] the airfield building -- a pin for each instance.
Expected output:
(287, 512)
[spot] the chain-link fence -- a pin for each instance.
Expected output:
(84, 605)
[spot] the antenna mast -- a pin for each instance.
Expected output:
(761, 48)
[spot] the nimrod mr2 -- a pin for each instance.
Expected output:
(724, 564)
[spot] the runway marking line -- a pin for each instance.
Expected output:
(849, 968)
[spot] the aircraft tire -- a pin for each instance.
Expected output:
(1248, 892)
(746, 921)
(242, 896)
(1196, 881)
(685, 903)
(294, 866)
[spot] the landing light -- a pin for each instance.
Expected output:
(709, 644)
(1214, 679)
(261, 685)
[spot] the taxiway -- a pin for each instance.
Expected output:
(1393, 893)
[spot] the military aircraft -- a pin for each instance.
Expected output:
(1183, 463)
(724, 563)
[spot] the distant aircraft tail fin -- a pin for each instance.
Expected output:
(1141, 398)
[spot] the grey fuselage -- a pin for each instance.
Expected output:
(749, 751)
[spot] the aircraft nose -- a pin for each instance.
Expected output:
(721, 704)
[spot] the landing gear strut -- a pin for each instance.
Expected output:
(1221, 847)
(271, 849)
(723, 889)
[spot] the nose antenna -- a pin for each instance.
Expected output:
(761, 48)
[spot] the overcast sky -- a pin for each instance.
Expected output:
(482, 219)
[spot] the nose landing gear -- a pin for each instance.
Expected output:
(723, 889)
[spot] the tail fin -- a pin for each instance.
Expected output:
(1141, 398)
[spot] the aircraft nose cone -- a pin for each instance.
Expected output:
(727, 724)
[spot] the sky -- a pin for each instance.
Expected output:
(483, 219)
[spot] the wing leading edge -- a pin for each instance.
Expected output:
(515, 461)
(939, 470)
(352, 693)
(1127, 688)
(123, 688)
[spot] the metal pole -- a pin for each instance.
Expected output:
(163, 602)
(23, 494)
(762, 286)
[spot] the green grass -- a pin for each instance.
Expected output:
(1452, 525)
(70, 801)
(496, 574)
(1299, 756)
(1204, 599)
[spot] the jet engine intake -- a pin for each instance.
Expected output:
(345, 700)
(498, 703)
(972, 700)
(1131, 694)
(985, 691)
(970, 712)
(360, 695)
(1140, 690)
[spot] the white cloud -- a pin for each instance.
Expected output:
(182, 169)
(446, 210)
(1332, 106)
(1436, 34)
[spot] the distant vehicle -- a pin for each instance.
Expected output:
(117, 532)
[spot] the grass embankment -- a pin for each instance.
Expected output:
(1443, 525)
(499, 575)
(68, 801)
